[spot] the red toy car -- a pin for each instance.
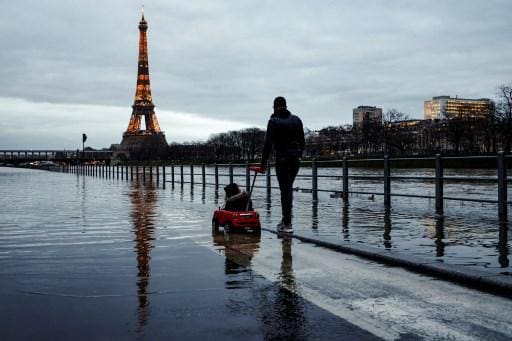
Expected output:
(232, 221)
(246, 220)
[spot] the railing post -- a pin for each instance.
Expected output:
(203, 173)
(163, 176)
(151, 173)
(230, 173)
(314, 180)
(216, 176)
(131, 173)
(181, 174)
(122, 172)
(157, 175)
(345, 180)
(172, 175)
(191, 175)
(502, 187)
(247, 177)
(439, 185)
(126, 174)
(387, 182)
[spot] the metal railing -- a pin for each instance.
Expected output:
(176, 174)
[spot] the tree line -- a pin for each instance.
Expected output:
(396, 134)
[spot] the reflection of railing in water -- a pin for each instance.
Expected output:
(178, 175)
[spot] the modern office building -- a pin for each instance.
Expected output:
(366, 113)
(446, 107)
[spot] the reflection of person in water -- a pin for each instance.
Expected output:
(143, 198)
(285, 320)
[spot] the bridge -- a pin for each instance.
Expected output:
(17, 156)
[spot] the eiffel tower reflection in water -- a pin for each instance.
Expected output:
(143, 197)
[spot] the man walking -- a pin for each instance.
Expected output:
(286, 134)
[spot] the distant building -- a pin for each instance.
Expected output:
(446, 107)
(366, 113)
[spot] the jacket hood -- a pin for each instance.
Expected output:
(282, 113)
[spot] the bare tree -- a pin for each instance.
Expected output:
(392, 136)
(504, 115)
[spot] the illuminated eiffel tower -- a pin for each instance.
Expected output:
(137, 143)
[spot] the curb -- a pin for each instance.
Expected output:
(492, 283)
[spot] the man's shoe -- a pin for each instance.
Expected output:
(284, 228)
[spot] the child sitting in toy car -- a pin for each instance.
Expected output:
(237, 200)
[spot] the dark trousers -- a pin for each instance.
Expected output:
(286, 171)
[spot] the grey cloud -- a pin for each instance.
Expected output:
(227, 60)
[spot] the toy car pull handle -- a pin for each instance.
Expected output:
(257, 169)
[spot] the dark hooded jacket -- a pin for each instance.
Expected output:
(286, 133)
(238, 202)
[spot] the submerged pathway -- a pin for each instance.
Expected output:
(115, 260)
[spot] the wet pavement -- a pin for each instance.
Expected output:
(192, 294)
(106, 259)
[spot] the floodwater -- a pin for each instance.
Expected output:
(469, 233)
(86, 257)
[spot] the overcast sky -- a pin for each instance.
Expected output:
(69, 67)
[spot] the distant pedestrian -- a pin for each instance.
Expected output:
(286, 134)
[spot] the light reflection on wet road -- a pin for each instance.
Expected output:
(85, 258)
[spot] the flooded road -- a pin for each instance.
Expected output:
(90, 258)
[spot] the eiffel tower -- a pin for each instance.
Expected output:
(138, 143)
